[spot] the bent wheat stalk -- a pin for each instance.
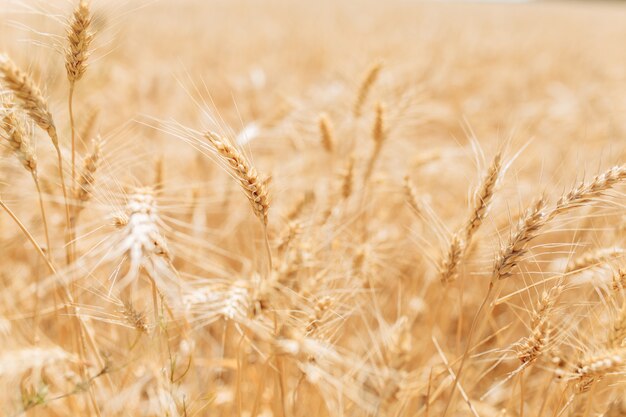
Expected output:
(253, 187)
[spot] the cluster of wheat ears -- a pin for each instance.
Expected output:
(203, 220)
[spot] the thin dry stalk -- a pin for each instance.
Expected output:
(89, 124)
(159, 175)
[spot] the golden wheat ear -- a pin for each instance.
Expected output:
(326, 132)
(86, 179)
(28, 96)
(368, 81)
(253, 187)
(79, 37)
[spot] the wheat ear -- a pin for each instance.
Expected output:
(35, 105)
(245, 174)
(619, 280)
(538, 216)
(483, 198)
(253, 187)
(480, 209)
(326, 132)
(595, 366)
(450, 264)
(411, 195)
(379, 135)
(20, 144)
(86, 180)
(364, 88)
(79, 38)
(528, 228)
(593, 258)
(347, 182)
(617, 333)
(531, 347)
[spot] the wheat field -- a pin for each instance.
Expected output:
(330, 208)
